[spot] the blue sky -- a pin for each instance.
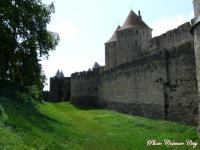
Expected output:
(85, 25)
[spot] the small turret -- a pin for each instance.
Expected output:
(96, 66)
(57, 74)
(61, 75)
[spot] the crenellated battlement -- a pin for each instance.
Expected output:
(85, 74)
(84, 88)
(172, 38)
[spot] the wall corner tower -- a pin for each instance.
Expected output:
(195, 30)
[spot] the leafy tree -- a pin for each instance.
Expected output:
(24, 39)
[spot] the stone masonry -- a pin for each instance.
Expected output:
(144, 76)
(60, 88)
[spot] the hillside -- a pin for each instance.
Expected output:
(62, 126)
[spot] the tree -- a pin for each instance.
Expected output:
(24, 39)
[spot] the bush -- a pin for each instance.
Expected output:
(20, 93)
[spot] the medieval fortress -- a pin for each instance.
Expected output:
(151, 77)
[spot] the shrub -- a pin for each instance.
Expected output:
(20, 93)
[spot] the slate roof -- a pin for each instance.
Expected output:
(59, 74)
(114, 36)
(133, 21)
(96, 66)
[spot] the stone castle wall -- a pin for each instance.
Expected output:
(160, 84)
(134, 87)
(84, 88)
(181, 89)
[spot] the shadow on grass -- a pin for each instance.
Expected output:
(80, 105)
(24, 116)
(87, 107)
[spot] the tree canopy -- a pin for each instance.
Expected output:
(24, 40)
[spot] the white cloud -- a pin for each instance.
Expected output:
(66, 30)
(168, 23)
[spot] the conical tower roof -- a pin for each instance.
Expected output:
(57, 74)
(96, 66)
(133, 21)
(61, 75)
(114, 36)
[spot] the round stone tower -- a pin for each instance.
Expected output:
(132, 38)
(196, 6)
(111, 51)
(196, 33)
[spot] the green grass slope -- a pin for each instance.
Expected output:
(62, 126)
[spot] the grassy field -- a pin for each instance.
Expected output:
(62, 126)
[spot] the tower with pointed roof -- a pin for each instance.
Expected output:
(111, 51)
(57, 74)
(96, 66)
(60, 87)
(132, 38)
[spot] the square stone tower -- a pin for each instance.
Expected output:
(60, 87)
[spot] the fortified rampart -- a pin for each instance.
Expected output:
(136, 87)
(84, 88)
(156, 82)
(160, 84)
